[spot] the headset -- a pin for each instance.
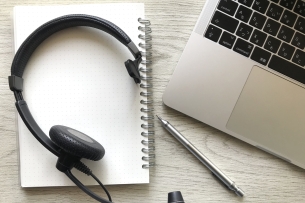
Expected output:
(68, 144)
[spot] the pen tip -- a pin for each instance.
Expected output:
(239, 192)
(159, 118)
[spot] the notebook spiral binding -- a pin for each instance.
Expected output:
(146, 85)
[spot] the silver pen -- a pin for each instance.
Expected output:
(218, 173)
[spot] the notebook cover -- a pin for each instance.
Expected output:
(77, 78)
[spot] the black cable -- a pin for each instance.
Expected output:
(101, 184)
(85, 189)
(86, 170)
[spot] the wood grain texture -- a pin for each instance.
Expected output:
(263, 177)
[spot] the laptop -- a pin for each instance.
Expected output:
(242, 72)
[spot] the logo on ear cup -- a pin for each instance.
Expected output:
(80, 135)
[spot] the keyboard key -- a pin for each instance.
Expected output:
(227, 40)
(225, 21)
(285, 33)
(244, 31)
(275, 11)
(213, 33)
(272, 27)
(246, 2)
(300, 25)
(258, 38)
(257, 20)
(260, 5)
(243, 47)
(287, 68)
(272, 44)
(261, 56)
(299, 40)
(243, 14)
(299, 58)
(228, 6)
(288, 3)
(276, 1)
(286, 51)
(288, 18)
(300, 8)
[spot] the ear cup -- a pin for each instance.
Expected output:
(76, 143)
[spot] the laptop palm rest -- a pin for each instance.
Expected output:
(271, 112)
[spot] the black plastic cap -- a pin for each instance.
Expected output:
(175, 197)
(66, 162)
(133, 69)
(15, 83)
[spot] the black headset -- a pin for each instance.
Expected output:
(68, 144)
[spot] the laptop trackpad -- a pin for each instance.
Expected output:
(271, 112)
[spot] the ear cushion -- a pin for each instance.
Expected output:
(76, 143)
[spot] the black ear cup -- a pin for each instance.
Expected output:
(76, 143)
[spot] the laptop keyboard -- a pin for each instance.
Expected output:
(270, 32)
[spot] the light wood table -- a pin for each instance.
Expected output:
(263, 177)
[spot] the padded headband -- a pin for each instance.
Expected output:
(43, 32)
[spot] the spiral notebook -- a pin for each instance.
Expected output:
(77, 78)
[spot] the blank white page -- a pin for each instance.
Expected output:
(77, 78)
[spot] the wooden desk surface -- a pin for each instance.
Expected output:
(263, 177)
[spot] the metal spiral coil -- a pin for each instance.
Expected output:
(148, 150)
(145, 85)
(146, 78)
(146, 118)
(148, 134)
(146, 30)
(146, 94)
(147, 126)
(146, 102)
(145, 53)
(145, 70)
(149, 157)
(148, 141)
(147, 110)
(146, 38)
(146, 166)
(146, 62)
(144, 22)
(145, 46)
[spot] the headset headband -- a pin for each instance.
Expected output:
(43, 32)
(36, 38)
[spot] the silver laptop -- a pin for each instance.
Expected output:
(242, 71)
